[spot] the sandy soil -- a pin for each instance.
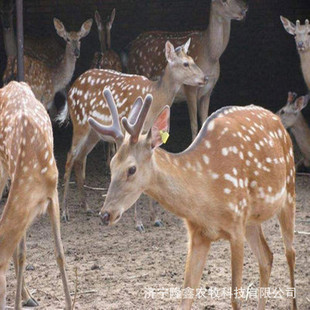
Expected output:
(116, 266)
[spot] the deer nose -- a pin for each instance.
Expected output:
(105, 218)
(76, 52)
(300, 44)
(244, 11)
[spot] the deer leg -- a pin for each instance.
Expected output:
(237, 250)
(154, 214)
(191, 96)
(287, 223)
(53, 210)
(203, 107)
(80, 168)
(260, 248)
(196, 257)
(19, 258)
(12, 228)
(3, 179)
(138, 220)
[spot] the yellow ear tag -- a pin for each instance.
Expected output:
(164, 136)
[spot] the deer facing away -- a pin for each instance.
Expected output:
(26, 157)
(46, 81)
(85, 99)
(293, 119)
(302, 39)
(146, 54)
(237, 173)
(107, 58)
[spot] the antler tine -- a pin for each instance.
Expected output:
(114, 130)
(135, 129)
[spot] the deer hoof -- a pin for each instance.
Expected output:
(31, 302)
(158, 223)
(140, 228)
(65, 218)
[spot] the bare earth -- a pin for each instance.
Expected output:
(116, 266)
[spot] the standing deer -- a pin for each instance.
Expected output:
(237, 173)
(302, 39)
(146, 54)
(293, 119)
(26, 157)
(46, 81)
(106, 58)
(85, 99)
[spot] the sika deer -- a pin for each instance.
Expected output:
(106, 58)
(302, 39)
(46, 81)
(293, 119)
(146, 54)
(237, 173)
(85, 99)
(26, 157)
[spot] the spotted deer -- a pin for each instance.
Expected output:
(45, 49)
(85, 99)
(46, 81)
(146, 54)
(237, 173)
(293, 119)
(106, 58)
(26, 157)
(302, 39)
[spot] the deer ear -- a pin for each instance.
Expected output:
(112, 17)
(159, 132)
(170, 52)
(98, 20)
(301, 102)
(186, 46)
(288, 25)
(85, 28)
(60, 28)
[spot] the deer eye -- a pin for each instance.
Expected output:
(132, 170)
(186, 64)
(281, 112)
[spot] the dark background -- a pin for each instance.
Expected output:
(260, 64)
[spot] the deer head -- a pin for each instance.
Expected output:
(73, 38)
(230, 9)
(131, 167)
(183, 66)
(300, 32)
(290, 112)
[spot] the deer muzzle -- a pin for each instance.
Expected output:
(105, 218)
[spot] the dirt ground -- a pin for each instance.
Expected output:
(117, 267)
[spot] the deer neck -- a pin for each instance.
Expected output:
(9, 42)
(172, 187)
(216, 37)
(305, 66)
(163, 91)
(301, 133)
(64, 72)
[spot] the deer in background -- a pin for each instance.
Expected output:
(146, 55)
(26, 156)
(45, 49)
(106, 58)
(237, 173)
(85, 100)
(302, 39)
(293, 119)
(46, 81)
